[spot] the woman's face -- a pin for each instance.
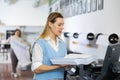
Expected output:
(17, 33)
(57, 26)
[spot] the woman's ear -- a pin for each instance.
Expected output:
(50, 24)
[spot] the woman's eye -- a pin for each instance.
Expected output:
(60, 24)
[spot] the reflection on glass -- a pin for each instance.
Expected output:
(100, 4)
(83, 6)
(62, 7)
(79, 7)
(94, 5)
(88, 6)
(75, 4)
(50, 10)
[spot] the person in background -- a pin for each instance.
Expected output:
(14, 60)
(0, 37)
(49, 46)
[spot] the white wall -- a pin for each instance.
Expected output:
(23, 13)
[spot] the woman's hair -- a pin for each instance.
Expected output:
(51, 18)
(19, 32)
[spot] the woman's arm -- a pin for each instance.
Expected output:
(8, 40)
(44, 68)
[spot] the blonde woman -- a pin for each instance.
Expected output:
(48, 46)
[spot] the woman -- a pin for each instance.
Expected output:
(14, 60)
(48, 46)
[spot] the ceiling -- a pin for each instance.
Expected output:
(36, 3)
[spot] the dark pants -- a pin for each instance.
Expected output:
(14, 60)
